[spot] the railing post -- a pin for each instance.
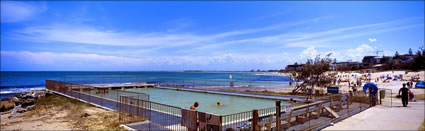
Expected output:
(138, 106)
(289, 119)
(254, 120)
(120, 111)
(348, 104)
(278, 115)
(331, 102)
(101, 98)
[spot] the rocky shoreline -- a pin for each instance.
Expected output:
(22, 102)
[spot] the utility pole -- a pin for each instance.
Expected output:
(377, 51)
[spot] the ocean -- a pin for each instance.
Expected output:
(21, 81)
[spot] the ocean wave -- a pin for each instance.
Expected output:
(19, 89)
(21, 86)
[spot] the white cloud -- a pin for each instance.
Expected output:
(317, 39)
(324, 40)
(90, 35)
(357, 54)
(68, 60)
(353, 54)
(15, 11)
(309, 53)
(82, 34)
(372, 39)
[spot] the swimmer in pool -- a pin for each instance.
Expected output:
(291, 100)
(194, 106)
(219, 104)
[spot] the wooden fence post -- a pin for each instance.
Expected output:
(254, 120)
(278, 109)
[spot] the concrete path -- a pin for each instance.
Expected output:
(385, 118)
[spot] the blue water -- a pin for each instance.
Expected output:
(16, 82)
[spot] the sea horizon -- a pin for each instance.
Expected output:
(13, 82)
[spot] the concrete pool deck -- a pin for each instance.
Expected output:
(385, 118)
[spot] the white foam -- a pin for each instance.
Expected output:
(20, 90)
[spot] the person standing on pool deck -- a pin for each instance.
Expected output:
(194, 106)
(404, 94)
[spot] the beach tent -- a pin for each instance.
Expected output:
(374, 88)
(389, 78)
(396, 77)
(420, 84)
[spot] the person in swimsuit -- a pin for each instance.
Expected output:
(194, 106)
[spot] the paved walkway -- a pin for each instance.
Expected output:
(385, 118)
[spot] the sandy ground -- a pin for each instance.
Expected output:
(60, 118)
(343, 86)
(50, 121)
(394, 85)
(385, 117)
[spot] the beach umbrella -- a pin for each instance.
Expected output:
(420, 84)
(374, 88)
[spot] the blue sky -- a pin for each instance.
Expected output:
(146, 35)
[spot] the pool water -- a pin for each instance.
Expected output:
(207, 101)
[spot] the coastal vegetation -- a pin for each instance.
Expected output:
(66, 113)
(313, 73)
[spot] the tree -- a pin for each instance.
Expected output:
(314, 73)
(410, 51)
(396, 55)
(418, 63)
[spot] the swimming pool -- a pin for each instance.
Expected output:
(207, 101)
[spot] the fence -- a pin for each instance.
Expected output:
(335, 108)
(170, 82)
(159, 116)
(166, 117)
(136, 107)
(99, 96)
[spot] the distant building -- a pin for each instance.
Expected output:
(369, 61)
(406, 58)
(349, 65)
(293, 67)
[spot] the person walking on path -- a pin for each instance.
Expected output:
(404, 94)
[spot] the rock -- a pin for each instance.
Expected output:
(15, 99)
(28, 102)
(39, 94)
(49, 93)
(5, 99)
(19, 96)
(6, 105)
(21, 110)
(85, 115)
(30, 107)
